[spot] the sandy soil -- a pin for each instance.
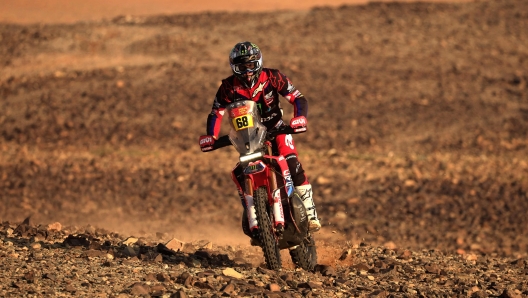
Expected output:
(65, 11)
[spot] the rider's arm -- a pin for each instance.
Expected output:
(294, 96)
(214, 119)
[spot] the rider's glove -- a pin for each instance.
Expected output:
(299, 123)
(206, 143)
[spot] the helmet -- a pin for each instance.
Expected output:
(246, 62)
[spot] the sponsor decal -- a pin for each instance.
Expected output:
(269, 95)
(269, 118)
(251, 214)
(296, 93)
(278, 212)
(289, 181)
(206, 140)
(244, 50)
(290, 86)
(254, 167)
(237, 112)
(299, 122)
(258, 89)
(276, 196)
(289, 141)
(302, 213)
(268, 98)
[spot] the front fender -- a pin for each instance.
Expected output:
(260, 178)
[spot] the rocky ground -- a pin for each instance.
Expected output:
(416, 149)
(47, 261)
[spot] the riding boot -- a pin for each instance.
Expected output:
(305, 191)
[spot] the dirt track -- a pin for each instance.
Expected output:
(417, 141)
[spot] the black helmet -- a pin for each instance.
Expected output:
(246, 62)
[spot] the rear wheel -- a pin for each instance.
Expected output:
(270, 246)
(305, 255)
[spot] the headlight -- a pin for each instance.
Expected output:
(251, 156)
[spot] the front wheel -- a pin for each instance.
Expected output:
(269, 244)
(305, 254)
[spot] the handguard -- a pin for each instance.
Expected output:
(206, 143)
(298, 124)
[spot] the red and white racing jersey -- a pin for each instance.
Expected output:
(265, 92)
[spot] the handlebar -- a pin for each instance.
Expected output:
(224, 141)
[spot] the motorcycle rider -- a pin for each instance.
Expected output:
(262, 85)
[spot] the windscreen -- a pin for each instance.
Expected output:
(247, 132)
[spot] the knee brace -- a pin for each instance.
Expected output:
(296, 170)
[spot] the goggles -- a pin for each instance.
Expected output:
(242, 68)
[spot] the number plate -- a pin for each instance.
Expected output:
(242, 122)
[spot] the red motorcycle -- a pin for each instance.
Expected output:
(276, 208)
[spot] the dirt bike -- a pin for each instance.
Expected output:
(279, 211)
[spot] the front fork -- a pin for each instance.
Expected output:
(268, 178)
(274, 200)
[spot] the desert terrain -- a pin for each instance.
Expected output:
(417, 149)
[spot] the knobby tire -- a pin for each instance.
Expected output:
(305, 255)
(267, 238)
